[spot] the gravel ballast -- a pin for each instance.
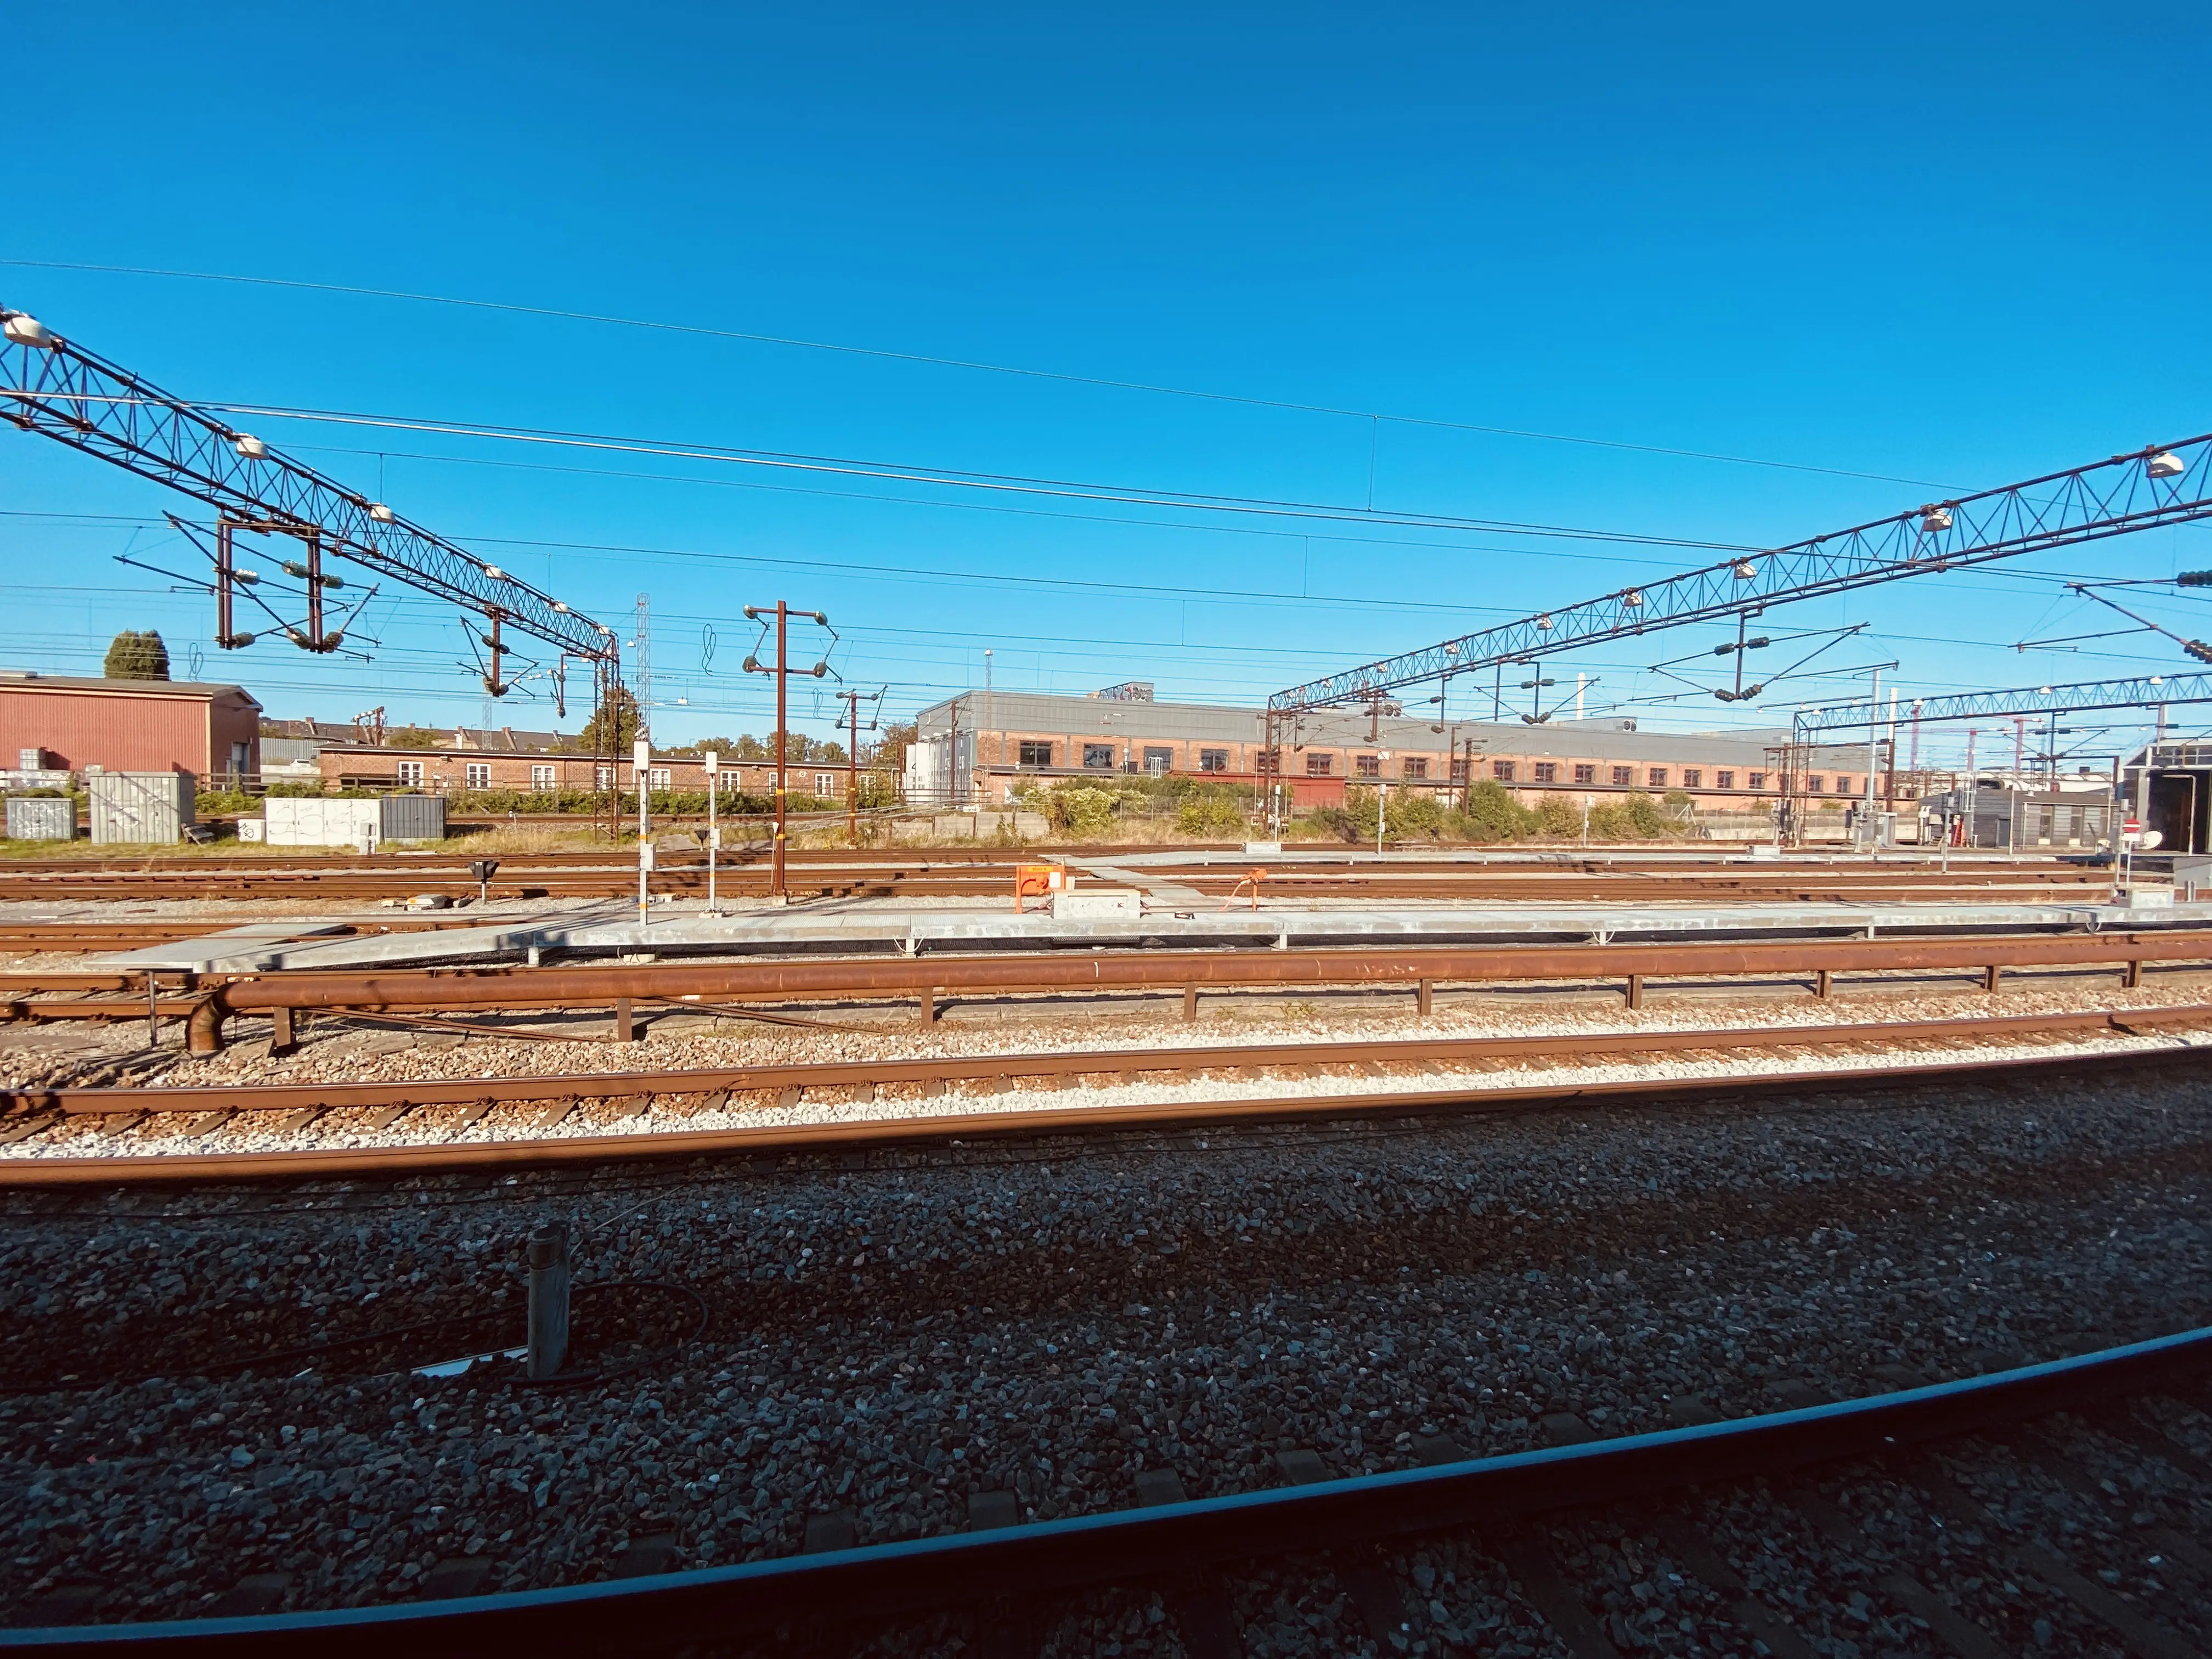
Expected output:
(892, 1333)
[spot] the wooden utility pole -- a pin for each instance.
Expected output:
(784, 613)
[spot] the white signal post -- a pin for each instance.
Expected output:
(714, 831)
(640, 754)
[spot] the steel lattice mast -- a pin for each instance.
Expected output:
(2162, 484)
(52, 386)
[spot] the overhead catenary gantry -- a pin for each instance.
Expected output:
(2160, 484)
(1811, 725)
(51, 385)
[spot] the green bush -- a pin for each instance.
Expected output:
(1558, 817)
(208, 801)
(1492, 814)
(1208, 812)
(1633, 818)
(1080, 811)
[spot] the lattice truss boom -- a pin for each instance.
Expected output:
(68, 393)
(2162, 484)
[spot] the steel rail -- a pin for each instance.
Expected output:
(957, 1570)
(366, 1162)
(286, 1097)
(926, 977)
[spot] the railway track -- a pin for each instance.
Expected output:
(937, 873)
(1886, 1484)
(658, 1110)
(283, 997)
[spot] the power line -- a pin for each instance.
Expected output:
(887, 355)
(960, 478)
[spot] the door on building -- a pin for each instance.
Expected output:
(2177, 807)
(240, 755)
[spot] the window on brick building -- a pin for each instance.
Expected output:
(1693, 777)
(1502, 771)
(1032, 752)
(1213, 760)
(656, 777)
(1098, 756)
(1656, 777)
(1416, 766)
(1843, 784)
(825, 784)
(603, 777)
(545, 777)
(1463, 770)
(1368, 766)
(476, 774)
(1318, 766)
(1585, 775)
(1755, 780)
(1813, 786)
(1268, 762)
(1623, 777)
(1723, 780)
(1547, 771)
(410, 775)
(1158, 761)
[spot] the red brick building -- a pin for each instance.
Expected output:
(129, 726)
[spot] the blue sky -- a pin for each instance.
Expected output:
(1947, 246)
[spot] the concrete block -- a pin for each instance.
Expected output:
(1096, 901)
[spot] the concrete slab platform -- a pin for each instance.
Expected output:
(848, 927)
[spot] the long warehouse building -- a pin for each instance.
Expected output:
(976, 749)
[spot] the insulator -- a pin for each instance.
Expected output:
(299, 639)
(820, 668)
(496, 688)
(2165, 465)
(329, 580)
(1933, 519)
(235, 642)
(331, 642)
(2194, 579)
(495, 644)
(23, 329)
(2198, 649)
(1760, 643)
(293, 567)
(753, 666)
(1723, 650)
(1748, 693)
(251, 578)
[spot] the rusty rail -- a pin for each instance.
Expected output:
(926, 978)
(351, 1163)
